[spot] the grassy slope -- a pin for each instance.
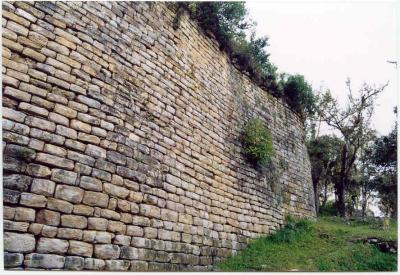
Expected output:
(316, 246)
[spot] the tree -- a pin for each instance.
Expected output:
(353, 123)
(324, 158)
(383, 154)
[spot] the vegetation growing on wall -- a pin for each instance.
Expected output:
(229, 24)
(258, 142)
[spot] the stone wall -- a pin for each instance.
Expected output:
(121, 142)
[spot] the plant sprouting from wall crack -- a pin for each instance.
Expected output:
(257, 142)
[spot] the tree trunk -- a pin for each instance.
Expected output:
(325, 199)
(316, 195)
(363, 202)
(340, 185)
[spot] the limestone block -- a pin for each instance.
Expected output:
(43, 187)
(95, 199)
(64, 176)
(107, 251)
(33, 200)
(95, 151)
(16, 242)
(36, 260)
(54, 161)
(16, 181)
(59, 205)
(13, 259)
(122, 240)
(48, 217)
(150, 211)
(116, 227)
(74, 263)
(69, 234)
(83, 210)
(80, 248)
(16, 226)
(74, 221)
(117, 265)
(90, 183)
(94, 264)
(69, 193)
(24, 214)
(135, 231)
(115, 190)
(97, 223)
(47, 245)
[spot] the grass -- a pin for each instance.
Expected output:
(329, 244)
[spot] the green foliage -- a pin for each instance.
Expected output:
(383, 154)
(299, 95)
(258, 142)
(291, 232)
(360, 257)
(325, 245)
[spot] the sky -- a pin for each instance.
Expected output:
(330, 41)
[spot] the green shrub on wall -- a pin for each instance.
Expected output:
(299, 95)
(258, 142)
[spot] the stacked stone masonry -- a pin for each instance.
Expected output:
(121, 142)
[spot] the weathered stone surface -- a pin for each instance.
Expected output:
(94, 264)
(74, 263)
(80, 248)
(115, 190)
(55, 161)
(116, 227)
(16, 181)
(48, 217)
(59, 205)
(24, 214)
(33, 200)
(107, 251)
(15, 226)
(16, 242)
(36, 260)
(95, 199)
(83, 210)
(49, 231)
(69, 234)
(69, 193)
(117, 265)
(122, 240)
(135, 231)
(13, 259)
(63, 176)
(43, 187)
(74, 221)
(150, 211)
(95, 151)
(97, 223)
(128, 252)
(90, 183)
(57, 246)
